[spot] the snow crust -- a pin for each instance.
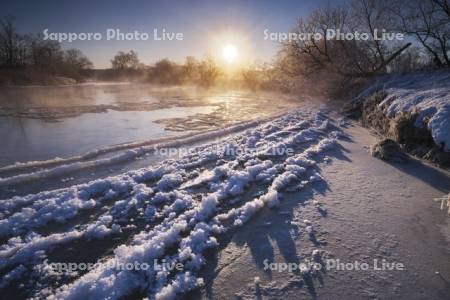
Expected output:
(186, 203)
(428, 94)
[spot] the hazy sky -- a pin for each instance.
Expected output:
(206, 25)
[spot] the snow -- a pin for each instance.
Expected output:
(186, 204)
(207, 207)
(271, 198)
(371, 205)
(59, 166)
(445, 203)
(428, 94)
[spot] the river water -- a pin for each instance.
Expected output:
(39, 123)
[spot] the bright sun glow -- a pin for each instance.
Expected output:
(229, 53)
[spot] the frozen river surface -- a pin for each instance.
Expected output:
(41, 123)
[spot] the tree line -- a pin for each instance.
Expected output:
(326, 65)
(27, 58)
(336, 63)
(203, 72)
(33, 54)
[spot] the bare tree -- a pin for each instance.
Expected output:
(125, 60)
(190, 69)
(428, 21)
(9, 40)
(45, 55)
(75, 63)
(444, 5)
(208, 72)
(348, 58)
(166, 71)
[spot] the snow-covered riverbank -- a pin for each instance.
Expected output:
(374, 212)
(413, 110)
(171, 212)
(302, 181)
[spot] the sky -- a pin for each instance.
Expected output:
(207, 26)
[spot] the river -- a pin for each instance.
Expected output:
(44, 122)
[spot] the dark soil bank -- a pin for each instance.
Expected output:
(414, 140)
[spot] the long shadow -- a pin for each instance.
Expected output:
(438, 179)
(339, 153)
(260, 240)
(271, 227)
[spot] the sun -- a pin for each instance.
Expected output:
(229, 53)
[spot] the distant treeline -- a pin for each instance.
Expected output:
(201, 72)
(321, 66)
(126, 65)
(28, 59)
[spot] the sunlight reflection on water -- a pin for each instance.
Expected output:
(90, 116)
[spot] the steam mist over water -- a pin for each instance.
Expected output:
(41, 122)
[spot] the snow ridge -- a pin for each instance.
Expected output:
(428, 94)
(60, 166)
(186, 203)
